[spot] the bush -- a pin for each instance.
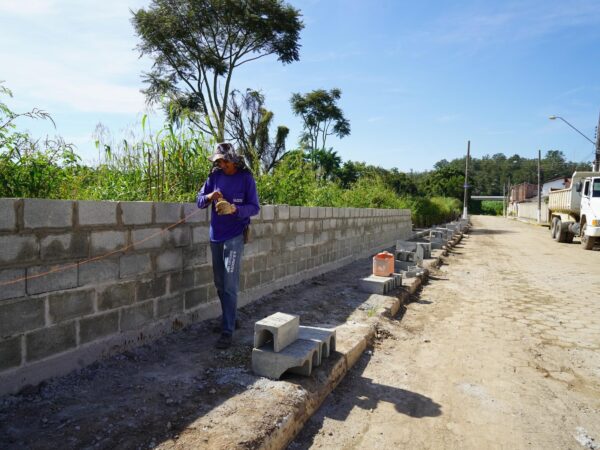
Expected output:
(492, 208)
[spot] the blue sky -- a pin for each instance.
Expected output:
(418, 79)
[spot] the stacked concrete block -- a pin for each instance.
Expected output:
(281, 345)
(423, 251)
(374, 284)
(281, 329)
(324, 337)
(436, 239)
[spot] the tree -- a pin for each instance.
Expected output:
(249, 124)
(197, 44)
(325, 162)
(321, 115)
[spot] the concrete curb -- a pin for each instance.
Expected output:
(353, 340)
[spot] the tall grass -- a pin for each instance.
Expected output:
(172, 163)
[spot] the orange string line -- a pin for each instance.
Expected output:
(97, 258)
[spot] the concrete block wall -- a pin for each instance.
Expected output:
(80, 280)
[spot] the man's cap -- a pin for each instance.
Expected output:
(224, 150)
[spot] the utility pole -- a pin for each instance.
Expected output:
(465, 208)
(539, 189)
(504, 199)
(597, 160)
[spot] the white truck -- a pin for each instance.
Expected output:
(576, 211)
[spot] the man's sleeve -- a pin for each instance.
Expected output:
(250, 206)
(202, 200)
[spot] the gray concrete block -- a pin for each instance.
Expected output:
(102, 242)
(299, 357)
(294, 212)
(204, 274)
(405, 246)
(196, 297)
(18, 249)
(98, 326)
(62, 246)
(169, 260)
(325, 337)
(200, 235)
(283, 212)
(280, 328)
(405, 255)
(137, 316)
(10, 353)
(16, 288)
(304, 212)
(267, 212)
(95, 272)
(167, 213)
(51, 278)
(50, 341)
(117, 295)
(178, 236)
(169, 306)
(423, 251)
(196, 255)
(69, 305)
(376, 285)
(8, 214)
(195, 214)
(147, 238)
(43, 213)
(17, 316)
(149, 289)
(136, 213)
(134, 264)
(94, 213)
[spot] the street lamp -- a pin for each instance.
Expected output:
(596, 166)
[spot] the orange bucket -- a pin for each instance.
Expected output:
(383, 264)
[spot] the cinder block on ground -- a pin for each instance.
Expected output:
(280, 328)
(299, 357)
(325, 337)
(407, 246)
(405, 255)
(423, 251)
(376, 285)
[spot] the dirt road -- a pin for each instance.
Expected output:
(501, 350)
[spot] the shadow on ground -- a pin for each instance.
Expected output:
(342, 402)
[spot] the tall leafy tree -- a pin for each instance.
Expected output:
(249, 124)
(197, 44)
(321, 116)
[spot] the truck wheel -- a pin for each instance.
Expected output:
(569, 238)
(587, 241)
(553, 227)
(559, 234)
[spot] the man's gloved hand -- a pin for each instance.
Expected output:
(224, 207)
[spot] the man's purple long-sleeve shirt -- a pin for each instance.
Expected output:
(238, 189)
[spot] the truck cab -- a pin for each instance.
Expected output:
(590, 210)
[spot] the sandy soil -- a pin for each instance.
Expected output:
(501, 350)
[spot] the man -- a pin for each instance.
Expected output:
(230, 190)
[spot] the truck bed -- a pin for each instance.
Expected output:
(564, 201)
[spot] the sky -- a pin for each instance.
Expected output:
(418, 79)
